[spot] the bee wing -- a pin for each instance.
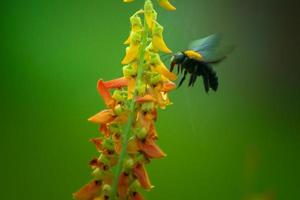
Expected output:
(217, 55)
(206, 44)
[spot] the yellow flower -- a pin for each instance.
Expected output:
(133, 49)
(149, 13)
(158, 66)
(166, 4)
(127, 1)
(158, 42)
(136, 26)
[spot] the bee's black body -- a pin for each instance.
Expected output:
(196, 68)
(199, 59)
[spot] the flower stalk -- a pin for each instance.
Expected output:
(128, 140)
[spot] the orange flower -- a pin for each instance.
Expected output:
(103, 117)
(150, 148)
(103, 90)
(89, 191)
(123, 185)
(145, 98)
(116, 83)
(140, 172)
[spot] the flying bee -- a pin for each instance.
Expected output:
(199, 59)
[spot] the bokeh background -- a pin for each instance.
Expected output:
(240, 142)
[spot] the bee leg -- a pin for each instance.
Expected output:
(205, 81)
(183, 78)
(178, 69)
(194, 76)
(194, 80)
(191, 79)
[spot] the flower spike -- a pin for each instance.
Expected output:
(128, 137)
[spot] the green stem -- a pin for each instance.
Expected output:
(125, 135)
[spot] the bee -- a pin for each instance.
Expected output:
(199, 59)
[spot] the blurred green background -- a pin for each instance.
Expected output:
(241, 141)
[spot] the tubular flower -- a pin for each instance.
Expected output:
(158, 42)
(166, 4)
(128, 138)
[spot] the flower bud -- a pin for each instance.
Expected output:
(118, 109)
(119, 95)
(108, 144)
(115, 128)
(155, 78)
(129, 71)
(140, 133)
(148, 106)
(128, 164)
(98, 174)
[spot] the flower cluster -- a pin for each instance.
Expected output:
(128, 139)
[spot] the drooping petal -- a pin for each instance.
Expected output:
(168, 86)
(123, 185)
(166, 4)
(162, 69)
(151, 149)
(102, 117)
(146, 98)
(142, 176)
(116, 83)
(103, 90)
(158, 43)
(89, 191)
(152, 131)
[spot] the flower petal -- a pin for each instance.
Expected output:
(102, 117)
(142, 176)
(158, 43)
(123, 185)
(116, 83)
(168, 86)
(145, 98)
(166, 4)
(162, 69)
(151, 149)
(131, 53)
(103, 90)
(89, 191)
